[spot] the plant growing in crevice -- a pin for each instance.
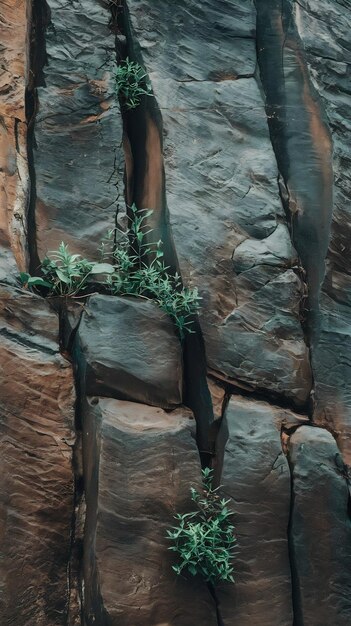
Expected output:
(136, 274)
(204, 539)
(65, 274)
(135, 268)
(131, 83)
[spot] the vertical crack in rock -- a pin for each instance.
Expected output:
(295, 588)
(40, 20)
(301, 140)
(145, 186)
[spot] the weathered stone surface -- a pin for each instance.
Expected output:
(221, 187)
(139, 465)
(324, 29)
(320, 532)
(78, 131)
(36, 438)
(14, 182)
(254, 472)
(128, 349)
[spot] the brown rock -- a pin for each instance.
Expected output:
(139, 465)
(36, 438)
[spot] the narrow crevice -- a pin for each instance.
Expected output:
(40, 20)
(295, 586)
(145, 186)
(213, 593)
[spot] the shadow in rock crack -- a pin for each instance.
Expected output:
(145, 186)
(40, 20)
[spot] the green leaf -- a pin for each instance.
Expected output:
(102, 268)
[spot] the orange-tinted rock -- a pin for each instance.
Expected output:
(139, 464)
(36, 438)
(14, 180)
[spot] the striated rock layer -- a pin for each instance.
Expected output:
(37, 487)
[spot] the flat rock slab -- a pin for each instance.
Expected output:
(320, 532)
(128, 349)
(254, 472)
(78, 156)
(139, 464)
(37, 484)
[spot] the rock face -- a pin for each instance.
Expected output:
(37, 484)
(128, 349)
(222, 191)
(320, 530)
(255, 473)
(242, 152)
(127, 569)
(78, 156)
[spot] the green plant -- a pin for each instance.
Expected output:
(131, 83)
(204, 539)
(135, 268)
(65, 274)
(140, 270)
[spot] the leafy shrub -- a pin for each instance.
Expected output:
(204, 539)
(65, 274)
(136, 275)
(129, 272)
(131, 83)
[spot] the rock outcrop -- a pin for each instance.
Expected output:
(241, 152)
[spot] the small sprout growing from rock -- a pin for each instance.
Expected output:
(131, 83)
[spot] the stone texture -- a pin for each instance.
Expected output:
(78, 131)
(14, 180)
(324, 29)
(221, 187)
(127, 348)
(139, 465)
(320, 532)
(36, 438)
(254, 472)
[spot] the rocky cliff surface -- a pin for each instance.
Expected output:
(242, 152)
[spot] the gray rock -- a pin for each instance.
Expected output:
(139, 465)
(37, 483)
(221, 184)
(320, 532)
(78, 156)
(254, 472)
(127, 348)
